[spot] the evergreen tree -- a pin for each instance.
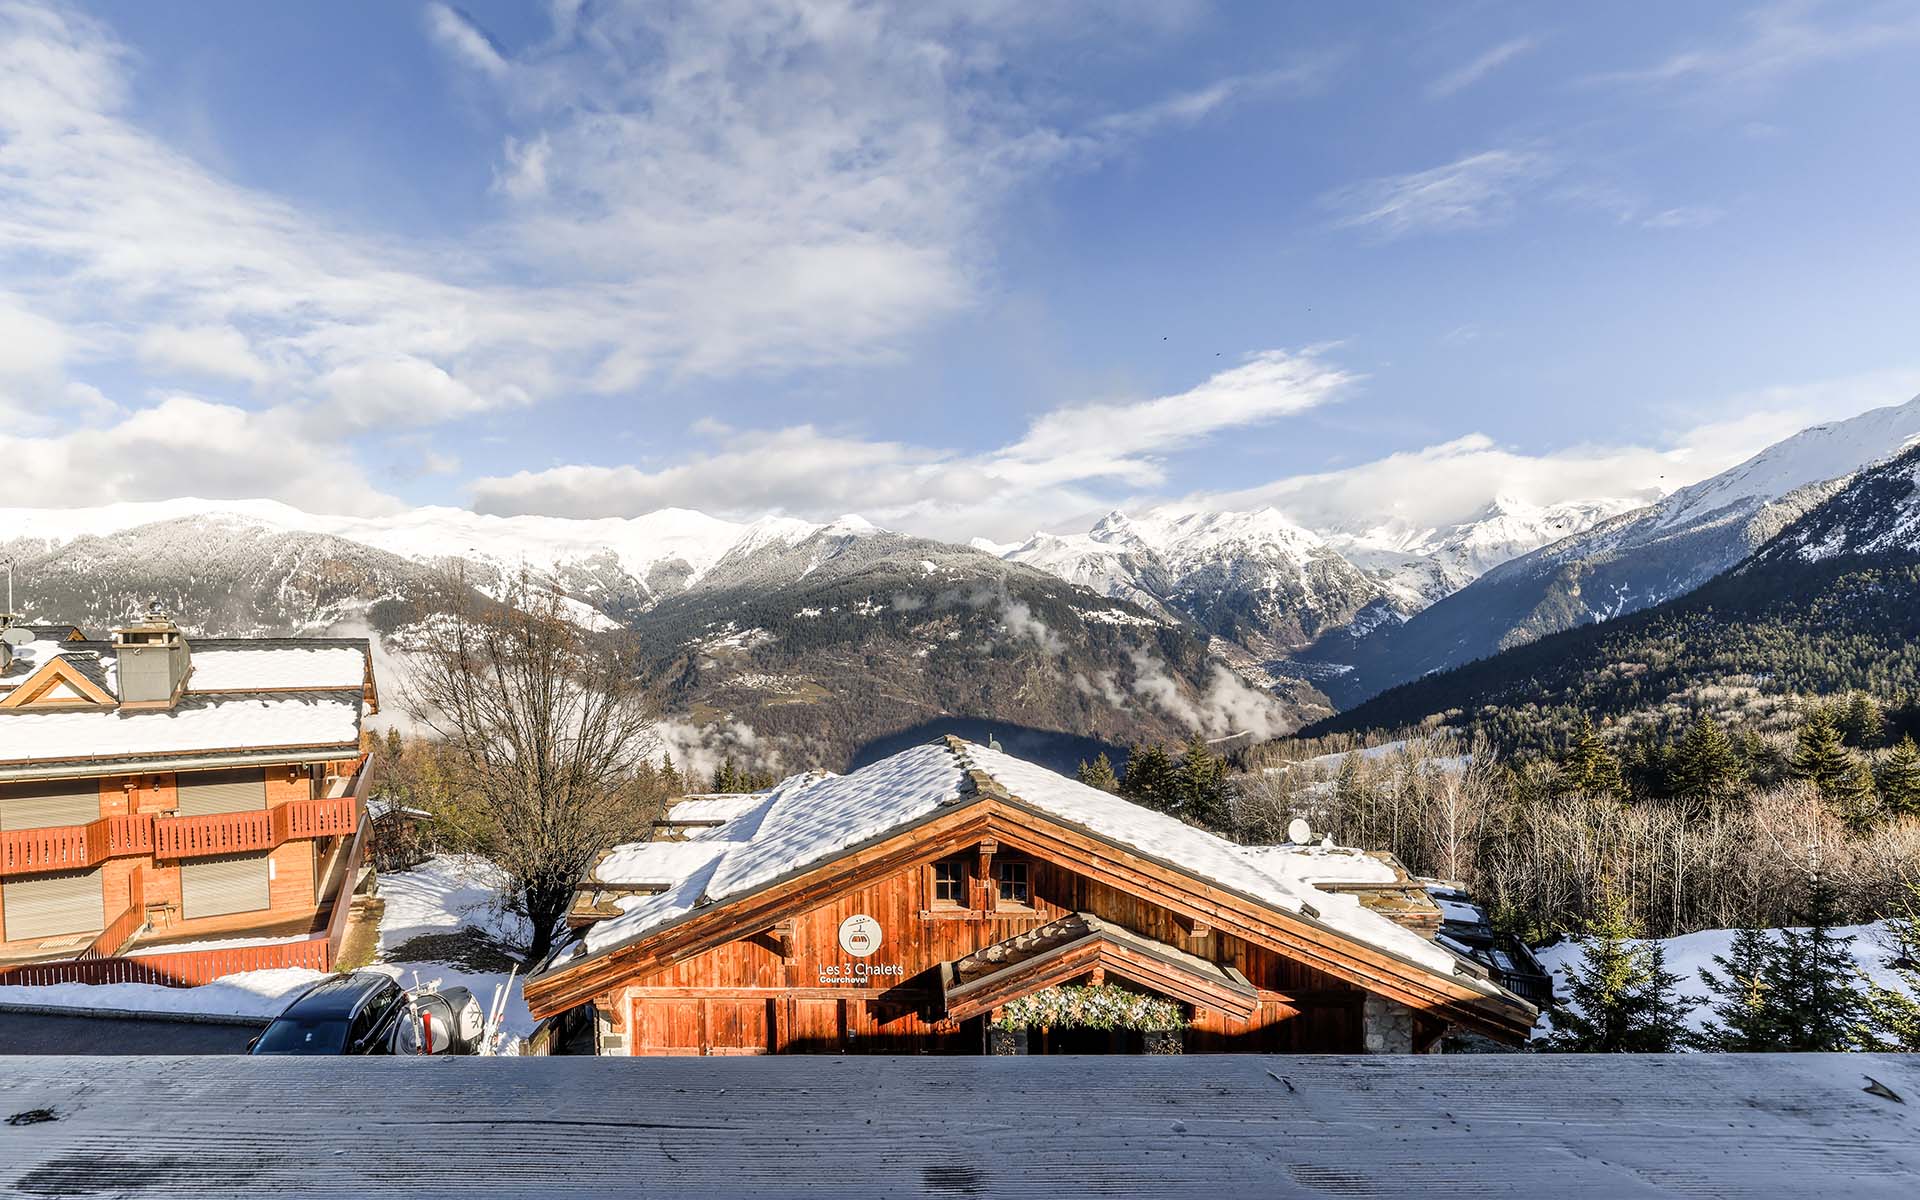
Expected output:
(1813, 980)
(1706, 769)
(1746, 1016)
(1201, 785)
(1099, 774)
(1900, 777)
(1858, 800)
(1149, 778)
(726, 776)
(1620, 997)
(1894, 1012)
(395, 747)
(1862, 723)
(1588, 768)
(1820, 757)
(670, 779)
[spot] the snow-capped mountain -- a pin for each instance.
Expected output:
(1255, 578)
(1422, 564)
(619, 564)
(780, 640)
(1272, 586)
(1626, 563)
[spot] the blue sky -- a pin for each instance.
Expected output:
(970, 268)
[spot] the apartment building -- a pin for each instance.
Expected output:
(157, 792)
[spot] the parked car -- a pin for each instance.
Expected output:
(360, 1013)
(369, 1013)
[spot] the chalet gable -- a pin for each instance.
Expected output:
(59, 682)
(823, 837)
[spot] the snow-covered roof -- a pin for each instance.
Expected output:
(276, 667)
(1319, 864)
(197, 725)
(643, 864)
(713, 808)
(808, 819)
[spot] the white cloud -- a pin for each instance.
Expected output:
(1481, 66)
(184, 446)
(1472, 192)
(403, 390)
(1445, 483)
(207, 351)
(806, 472)
(1780, 39)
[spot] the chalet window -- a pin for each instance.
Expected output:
(1013, 882)
(950, 882)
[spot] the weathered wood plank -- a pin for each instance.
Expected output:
(1521, 1126)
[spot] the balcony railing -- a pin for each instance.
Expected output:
(74, 847)
(77, 847)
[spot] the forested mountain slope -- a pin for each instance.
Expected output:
(1832, 603)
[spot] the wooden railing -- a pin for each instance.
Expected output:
(74, 847)
(121, 929)
(187, 968)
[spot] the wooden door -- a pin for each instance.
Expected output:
(666, 1026)
(738, 1026)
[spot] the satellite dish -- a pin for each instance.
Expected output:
(1299, 832)
(16, 635)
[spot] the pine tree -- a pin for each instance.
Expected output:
(1746, 1016)
(1588, 768)
(1894, 1012)
(670, 779)
(1706, 769)
(395, 747)
(1820, 757)
(1201, 785)
(726, 776)
(1858, 800)
(1099, 774)
(1813, 980)
(1620, 997)
(1862, 722)
(1900, 777)
(1149, 778)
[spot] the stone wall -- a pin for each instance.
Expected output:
(1386, 1026)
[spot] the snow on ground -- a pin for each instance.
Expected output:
(1689, 953)
(215, 944)
(445, 894)
(249, 994)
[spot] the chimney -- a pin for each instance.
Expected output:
(153, 660)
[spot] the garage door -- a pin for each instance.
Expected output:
(213, 887)
(44, 906)
(50, 802)
(203, 792)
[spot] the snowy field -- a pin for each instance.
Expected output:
(1687, 954)
(442, 896)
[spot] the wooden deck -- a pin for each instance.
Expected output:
(1216, 1126)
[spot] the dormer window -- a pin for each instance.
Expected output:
(950, 883)
(1011, 875)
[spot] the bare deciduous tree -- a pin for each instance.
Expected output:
(544, 729)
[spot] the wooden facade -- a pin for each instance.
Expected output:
(766, 972)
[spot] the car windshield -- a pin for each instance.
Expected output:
(303, 1035)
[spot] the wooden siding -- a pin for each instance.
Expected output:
(745, 997)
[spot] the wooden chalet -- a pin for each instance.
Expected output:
(902, 908)
(170, 811)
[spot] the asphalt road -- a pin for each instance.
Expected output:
(38, 1033)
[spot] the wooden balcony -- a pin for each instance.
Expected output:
(77, 847)
(74, 847)
(256, 829)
